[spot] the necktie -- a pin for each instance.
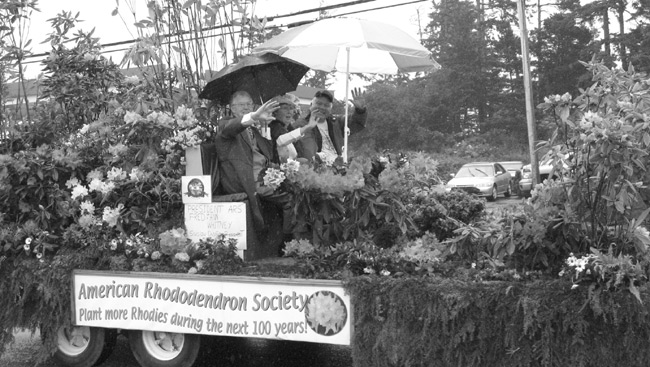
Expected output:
(251, 136)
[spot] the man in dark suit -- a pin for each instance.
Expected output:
(243, 154)
(326, 140)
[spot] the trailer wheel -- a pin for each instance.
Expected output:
(84, 346)
(163, 349)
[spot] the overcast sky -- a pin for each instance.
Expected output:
(97, 14)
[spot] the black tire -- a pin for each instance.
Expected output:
(508, 192)
(84, 346)
(494, 194)
(163, 349)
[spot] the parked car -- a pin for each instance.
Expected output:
(526, 182)
(514, 167)
(487, 179)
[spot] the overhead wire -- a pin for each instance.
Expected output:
(289, 25)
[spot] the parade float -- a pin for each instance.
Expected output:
(96, 239)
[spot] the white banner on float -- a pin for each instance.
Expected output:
(272, 308)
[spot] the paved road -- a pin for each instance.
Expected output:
(223, 352)
(503, 202)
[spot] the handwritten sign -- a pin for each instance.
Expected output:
(284, 309)
(211, 220)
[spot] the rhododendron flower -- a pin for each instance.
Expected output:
(131, 117)
(182, 256)
(136, 174)
(155, 255)
(112, 215)
(87, 207)
(94, 174)
(290, 166)
(199, 264)
(273, 178)
(117, 149)
(185, 117)
(87, 220)
(107, 187)
(192, 270)
(58, 155)
(116, 174)
(79, 191)
(95, 184)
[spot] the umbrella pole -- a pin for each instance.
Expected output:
(346, 131)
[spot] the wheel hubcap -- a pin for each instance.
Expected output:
(162, 345)
(73, 340)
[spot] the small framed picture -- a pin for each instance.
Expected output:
(196, 189)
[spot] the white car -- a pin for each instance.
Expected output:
(545, 169)
(487, 179)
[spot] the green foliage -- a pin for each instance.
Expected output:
(417, 322)
(340, 202)
(600, 152)
(79, 80)
(37, 293)
(605, 270)
(440, 213)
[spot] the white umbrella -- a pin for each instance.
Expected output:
(352, 46)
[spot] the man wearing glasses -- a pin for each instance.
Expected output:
(325, 142)
(243, 154)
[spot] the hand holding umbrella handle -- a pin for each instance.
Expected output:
(265, 112)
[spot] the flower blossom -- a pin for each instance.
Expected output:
(273, 178)
(79, 191)
(111, 215)
(94, 174)
(155, 255)
(290, 166)
(116, 174)
(182, 256)
(87, 207)
(117, 149)
(131, 117)
(87, 220)
(107, 187)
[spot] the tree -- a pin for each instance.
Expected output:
(563, 44)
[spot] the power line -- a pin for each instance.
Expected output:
(289, 25)
(381, 7)
(342, 5)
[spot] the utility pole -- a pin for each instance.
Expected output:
(528, 89)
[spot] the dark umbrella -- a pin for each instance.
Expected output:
(263, 76)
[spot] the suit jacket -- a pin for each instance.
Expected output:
(312, 142)
(235, 155)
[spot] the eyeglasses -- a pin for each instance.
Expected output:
(250, 105)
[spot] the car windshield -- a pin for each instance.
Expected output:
(475, 171)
